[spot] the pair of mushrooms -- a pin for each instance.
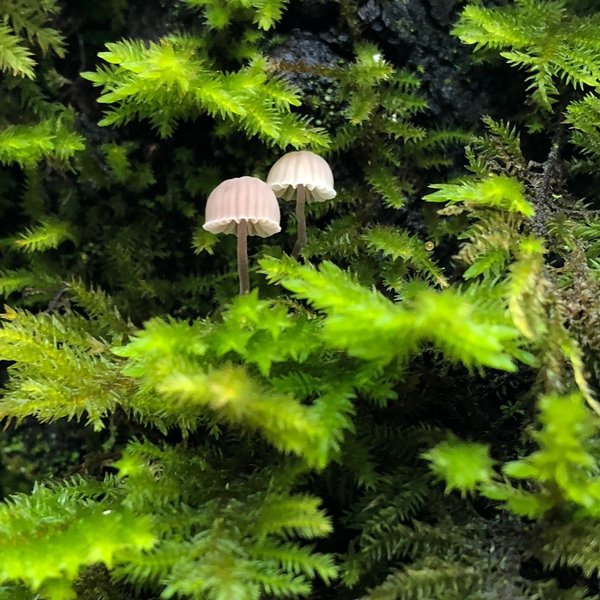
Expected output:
(247, 206)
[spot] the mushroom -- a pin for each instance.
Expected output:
(310, 177)
(243, 206)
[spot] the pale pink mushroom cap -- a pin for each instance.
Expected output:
(302, 168)
(243, 199)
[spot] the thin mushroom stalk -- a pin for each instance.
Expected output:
(301, 220)
(242, 257)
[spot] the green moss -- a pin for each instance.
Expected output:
(408, 411)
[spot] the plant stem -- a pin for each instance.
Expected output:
(301, 221)
(242, 257)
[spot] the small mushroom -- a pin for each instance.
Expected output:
(306, 175)
(243, 206)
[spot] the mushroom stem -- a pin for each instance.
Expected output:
(301, 220)
(242, 256)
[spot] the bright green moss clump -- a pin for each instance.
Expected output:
(408, 411)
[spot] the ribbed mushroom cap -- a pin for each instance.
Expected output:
(243, 199)
(302, 168)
